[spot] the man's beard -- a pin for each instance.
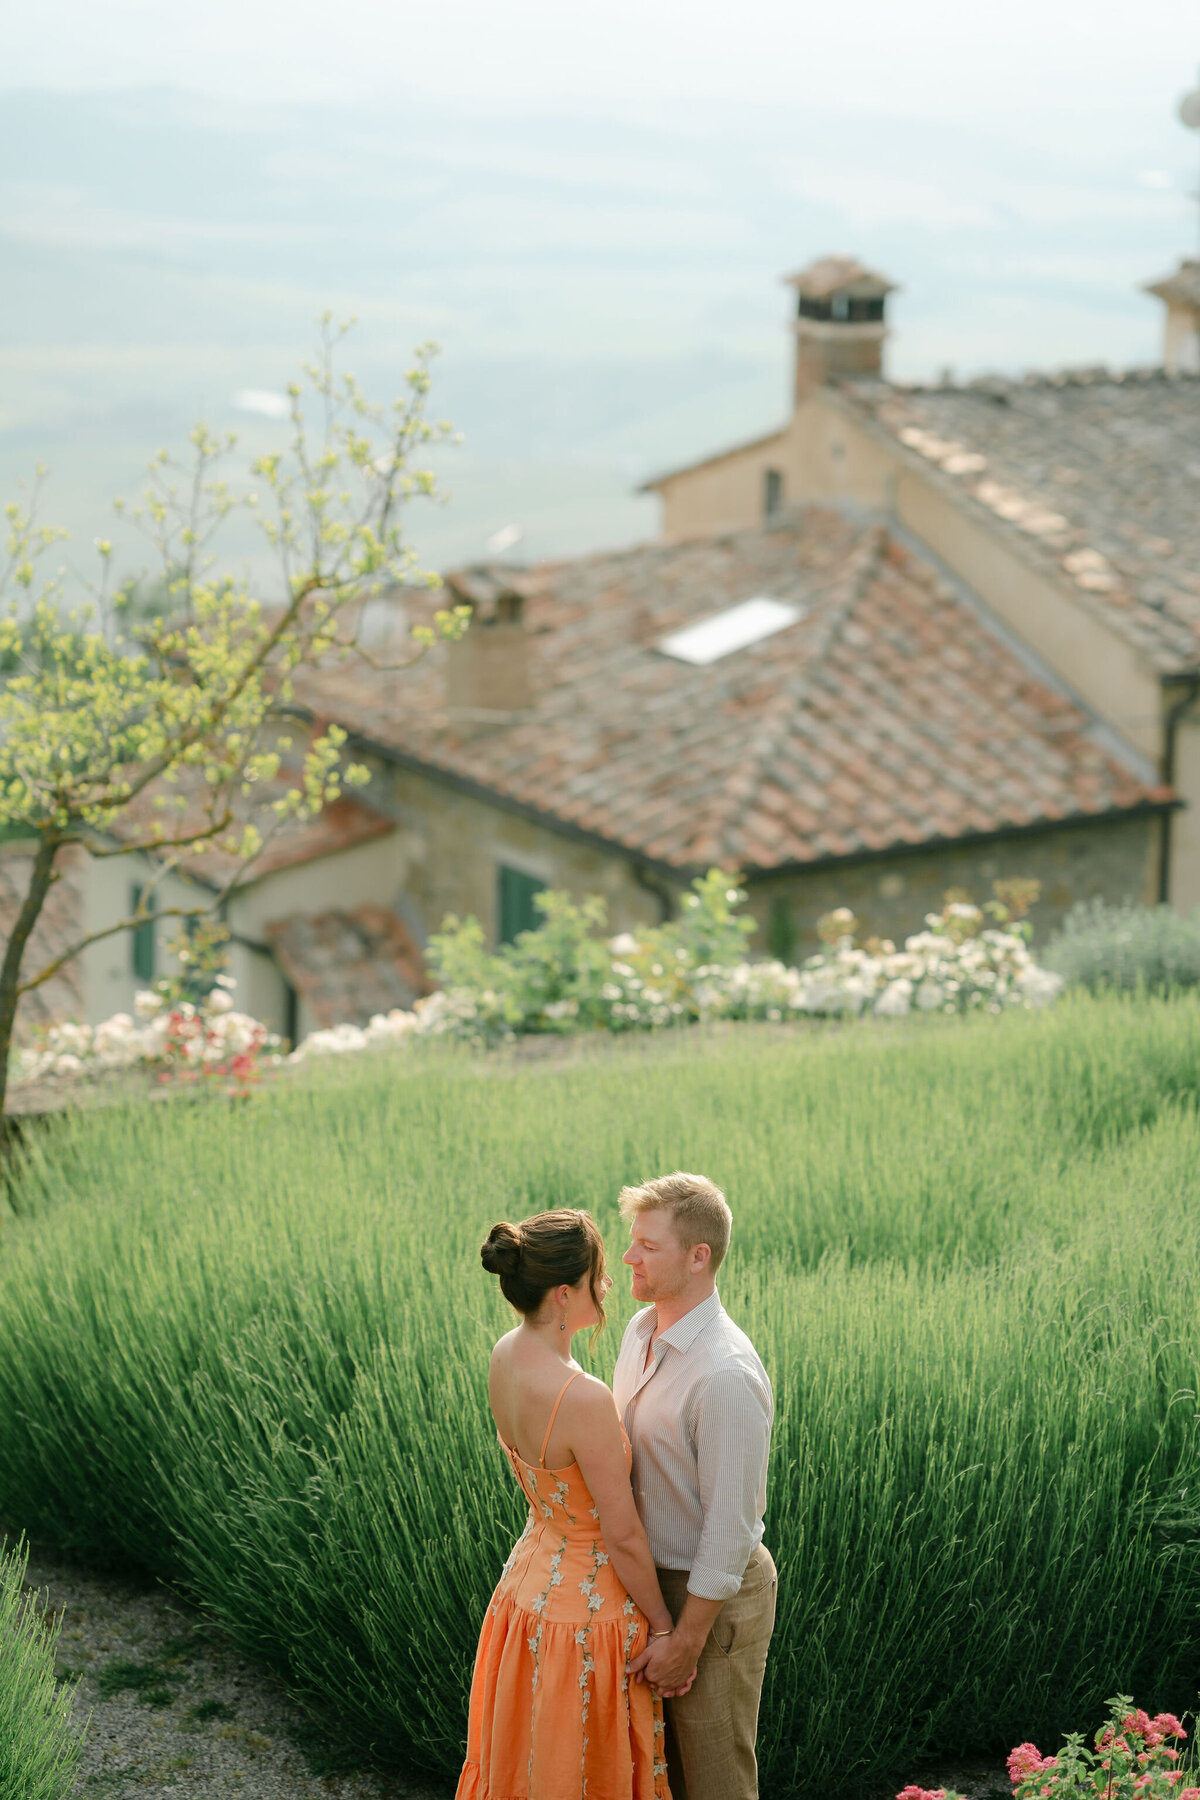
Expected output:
(663, 1289)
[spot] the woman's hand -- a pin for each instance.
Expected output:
(674, 1693)
(667, 1664)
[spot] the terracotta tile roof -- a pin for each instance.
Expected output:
(341, 825)
(891, 713)
(60, 926)
(348, 965)
(1097, 475)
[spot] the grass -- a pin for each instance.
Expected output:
(147, 1680)
(39, 1745)
(967, 1250)
(209, 1709)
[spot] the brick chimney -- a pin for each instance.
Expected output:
(1180, 293)
(487, 671)
(840, 324)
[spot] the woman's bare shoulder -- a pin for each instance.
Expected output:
(592, 1396)
(502, 1349)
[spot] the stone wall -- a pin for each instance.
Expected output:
(455, 844)
(891, 895)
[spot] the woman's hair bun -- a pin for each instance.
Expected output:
(501, 1253)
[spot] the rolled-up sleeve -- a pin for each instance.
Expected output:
(733, 1437)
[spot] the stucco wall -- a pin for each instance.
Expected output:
(375, 871)
(109, 984)
(727, 494)
(821, 453)
(891, 895)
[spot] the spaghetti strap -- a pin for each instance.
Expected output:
(553, 1415)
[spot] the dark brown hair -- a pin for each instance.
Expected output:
(543, 1252)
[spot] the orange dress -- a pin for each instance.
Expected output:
(554, 1716)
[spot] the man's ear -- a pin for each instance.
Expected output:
(704, 1252)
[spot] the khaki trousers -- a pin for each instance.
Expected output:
(711, 1730)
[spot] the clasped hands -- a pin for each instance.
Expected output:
(667, 1664)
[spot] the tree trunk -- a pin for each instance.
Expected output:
(10, 970)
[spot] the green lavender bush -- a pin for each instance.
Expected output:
(1148, 948)
(967, 1249)
(39, 1745)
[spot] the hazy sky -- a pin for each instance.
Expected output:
(938, 58)
(590, 206)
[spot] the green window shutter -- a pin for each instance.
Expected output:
(516, 909)
(142, 940)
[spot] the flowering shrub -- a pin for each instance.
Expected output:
(562, 978)
(1132, 1760)
(186, 1028)
(184, 1041)
(565, 977)
(969, 957)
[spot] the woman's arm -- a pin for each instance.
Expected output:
(598, 1449)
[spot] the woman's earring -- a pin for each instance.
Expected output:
(562, 1324)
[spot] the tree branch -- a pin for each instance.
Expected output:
(95, 937)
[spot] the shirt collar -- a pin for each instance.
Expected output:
(684, 1332)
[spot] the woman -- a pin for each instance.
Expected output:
(554, 1713)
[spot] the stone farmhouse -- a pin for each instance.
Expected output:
(914, 638)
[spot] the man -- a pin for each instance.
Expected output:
(697, 1405)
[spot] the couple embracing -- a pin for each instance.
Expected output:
(622, 1653)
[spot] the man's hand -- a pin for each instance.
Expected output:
(667, 1664)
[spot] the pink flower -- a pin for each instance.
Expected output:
(1188, 1794)
(1026, 1760)
(1138, 1721)
(1169, 1725)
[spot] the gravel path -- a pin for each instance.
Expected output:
(174, 1710)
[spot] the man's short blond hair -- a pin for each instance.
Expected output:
(699, 1210)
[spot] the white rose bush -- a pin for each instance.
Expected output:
(565, 978)
(185, 1028)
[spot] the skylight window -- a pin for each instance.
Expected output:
(722, 633)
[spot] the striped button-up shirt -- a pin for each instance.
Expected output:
(699, 1419)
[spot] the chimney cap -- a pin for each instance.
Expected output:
(1183, 284)
(830, 275)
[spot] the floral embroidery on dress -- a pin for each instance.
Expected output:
(630, 1612)
(536, 1499)
(587, 1662)
(660, 1760)
(560, 1496)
